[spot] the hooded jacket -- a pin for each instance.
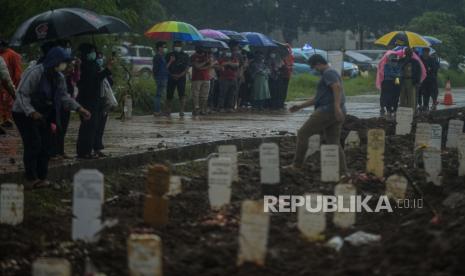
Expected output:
(42, 89)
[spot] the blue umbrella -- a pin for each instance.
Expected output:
(235, 36)
(432, 40)
(259, 40)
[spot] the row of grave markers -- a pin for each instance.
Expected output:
(144, 250)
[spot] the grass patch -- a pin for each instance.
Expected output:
(304, 86)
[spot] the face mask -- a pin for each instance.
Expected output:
(214, 50)
(165, 50)
(61, 67)
(177, 49)
(228, 54)
(272, 55)
(99, 61)
(68, 51)
(91, 56)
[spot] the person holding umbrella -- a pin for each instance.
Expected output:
(228, 81)
(410, 79)
(430, 83)
(13, 63)
(177, 76)
(90, 86)
(40, 95)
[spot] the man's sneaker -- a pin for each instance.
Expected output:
(181, 114)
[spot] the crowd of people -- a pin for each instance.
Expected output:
(408, 79)
(222, 80)
(40, 99)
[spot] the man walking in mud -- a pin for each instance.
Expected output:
(329, 114)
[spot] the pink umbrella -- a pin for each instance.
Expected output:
(384, 59)
(214, 34)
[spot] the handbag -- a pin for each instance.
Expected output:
(110, 99)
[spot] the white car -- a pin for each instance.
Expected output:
(139, 57)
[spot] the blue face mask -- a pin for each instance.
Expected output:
(99, 62)
(68, 51)
(91, 56)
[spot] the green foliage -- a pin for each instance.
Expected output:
(304, 86)
(445, 27)
(457, 78)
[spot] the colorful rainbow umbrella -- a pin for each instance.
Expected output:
(174, 31)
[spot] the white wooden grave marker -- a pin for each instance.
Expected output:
(253, 233)
(87, 205)
(312, 224)
(436, 136)
(269, 163)
(433, 165)
(461, 153)
(313, 145)
(455, 128)
(423, 135)
(51, 267)
(396, 186)
(330, 163)
(230, 151)
(175, 185)
(345, 219)
(376, 146)
(145, 255)
(219, 181)
(404, 118)
(353, 140)
(11, 204)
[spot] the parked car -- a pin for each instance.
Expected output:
(363, 62)
(139, 57)
(301, 66)
(375, 55)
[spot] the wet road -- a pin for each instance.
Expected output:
(144, 133)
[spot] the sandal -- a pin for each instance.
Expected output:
(42, 184)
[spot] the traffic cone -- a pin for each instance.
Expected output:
(448, 98)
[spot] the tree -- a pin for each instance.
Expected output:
(445, 27)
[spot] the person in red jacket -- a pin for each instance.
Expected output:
(13, 62)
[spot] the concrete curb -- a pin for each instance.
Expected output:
(173, 155)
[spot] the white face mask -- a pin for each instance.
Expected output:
(272, 55)
(178, 49)
(61, 67)
(214, 50)
(228, 54)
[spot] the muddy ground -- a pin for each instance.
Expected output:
(198, 241)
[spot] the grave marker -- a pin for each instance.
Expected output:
(433, 165)
(230, 151)
(404, 118)
(51, 267)
(269, 163)
(313, 145)
(345, 219)
(376, 146)
(436, 136)
(396, 187)
(461, 153)
(353, 140)
(330, 163)
(312, 224)
(455, 128)
(145, 255)
(253, 233)
(87, 205)
(219, 181)
(423, 135)
(11, 203)
(156, 205)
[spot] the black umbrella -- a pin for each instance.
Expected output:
(211, 43)
(56, 24)
(114, 26)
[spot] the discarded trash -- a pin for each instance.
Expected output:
(336, 243)
(361, 238)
